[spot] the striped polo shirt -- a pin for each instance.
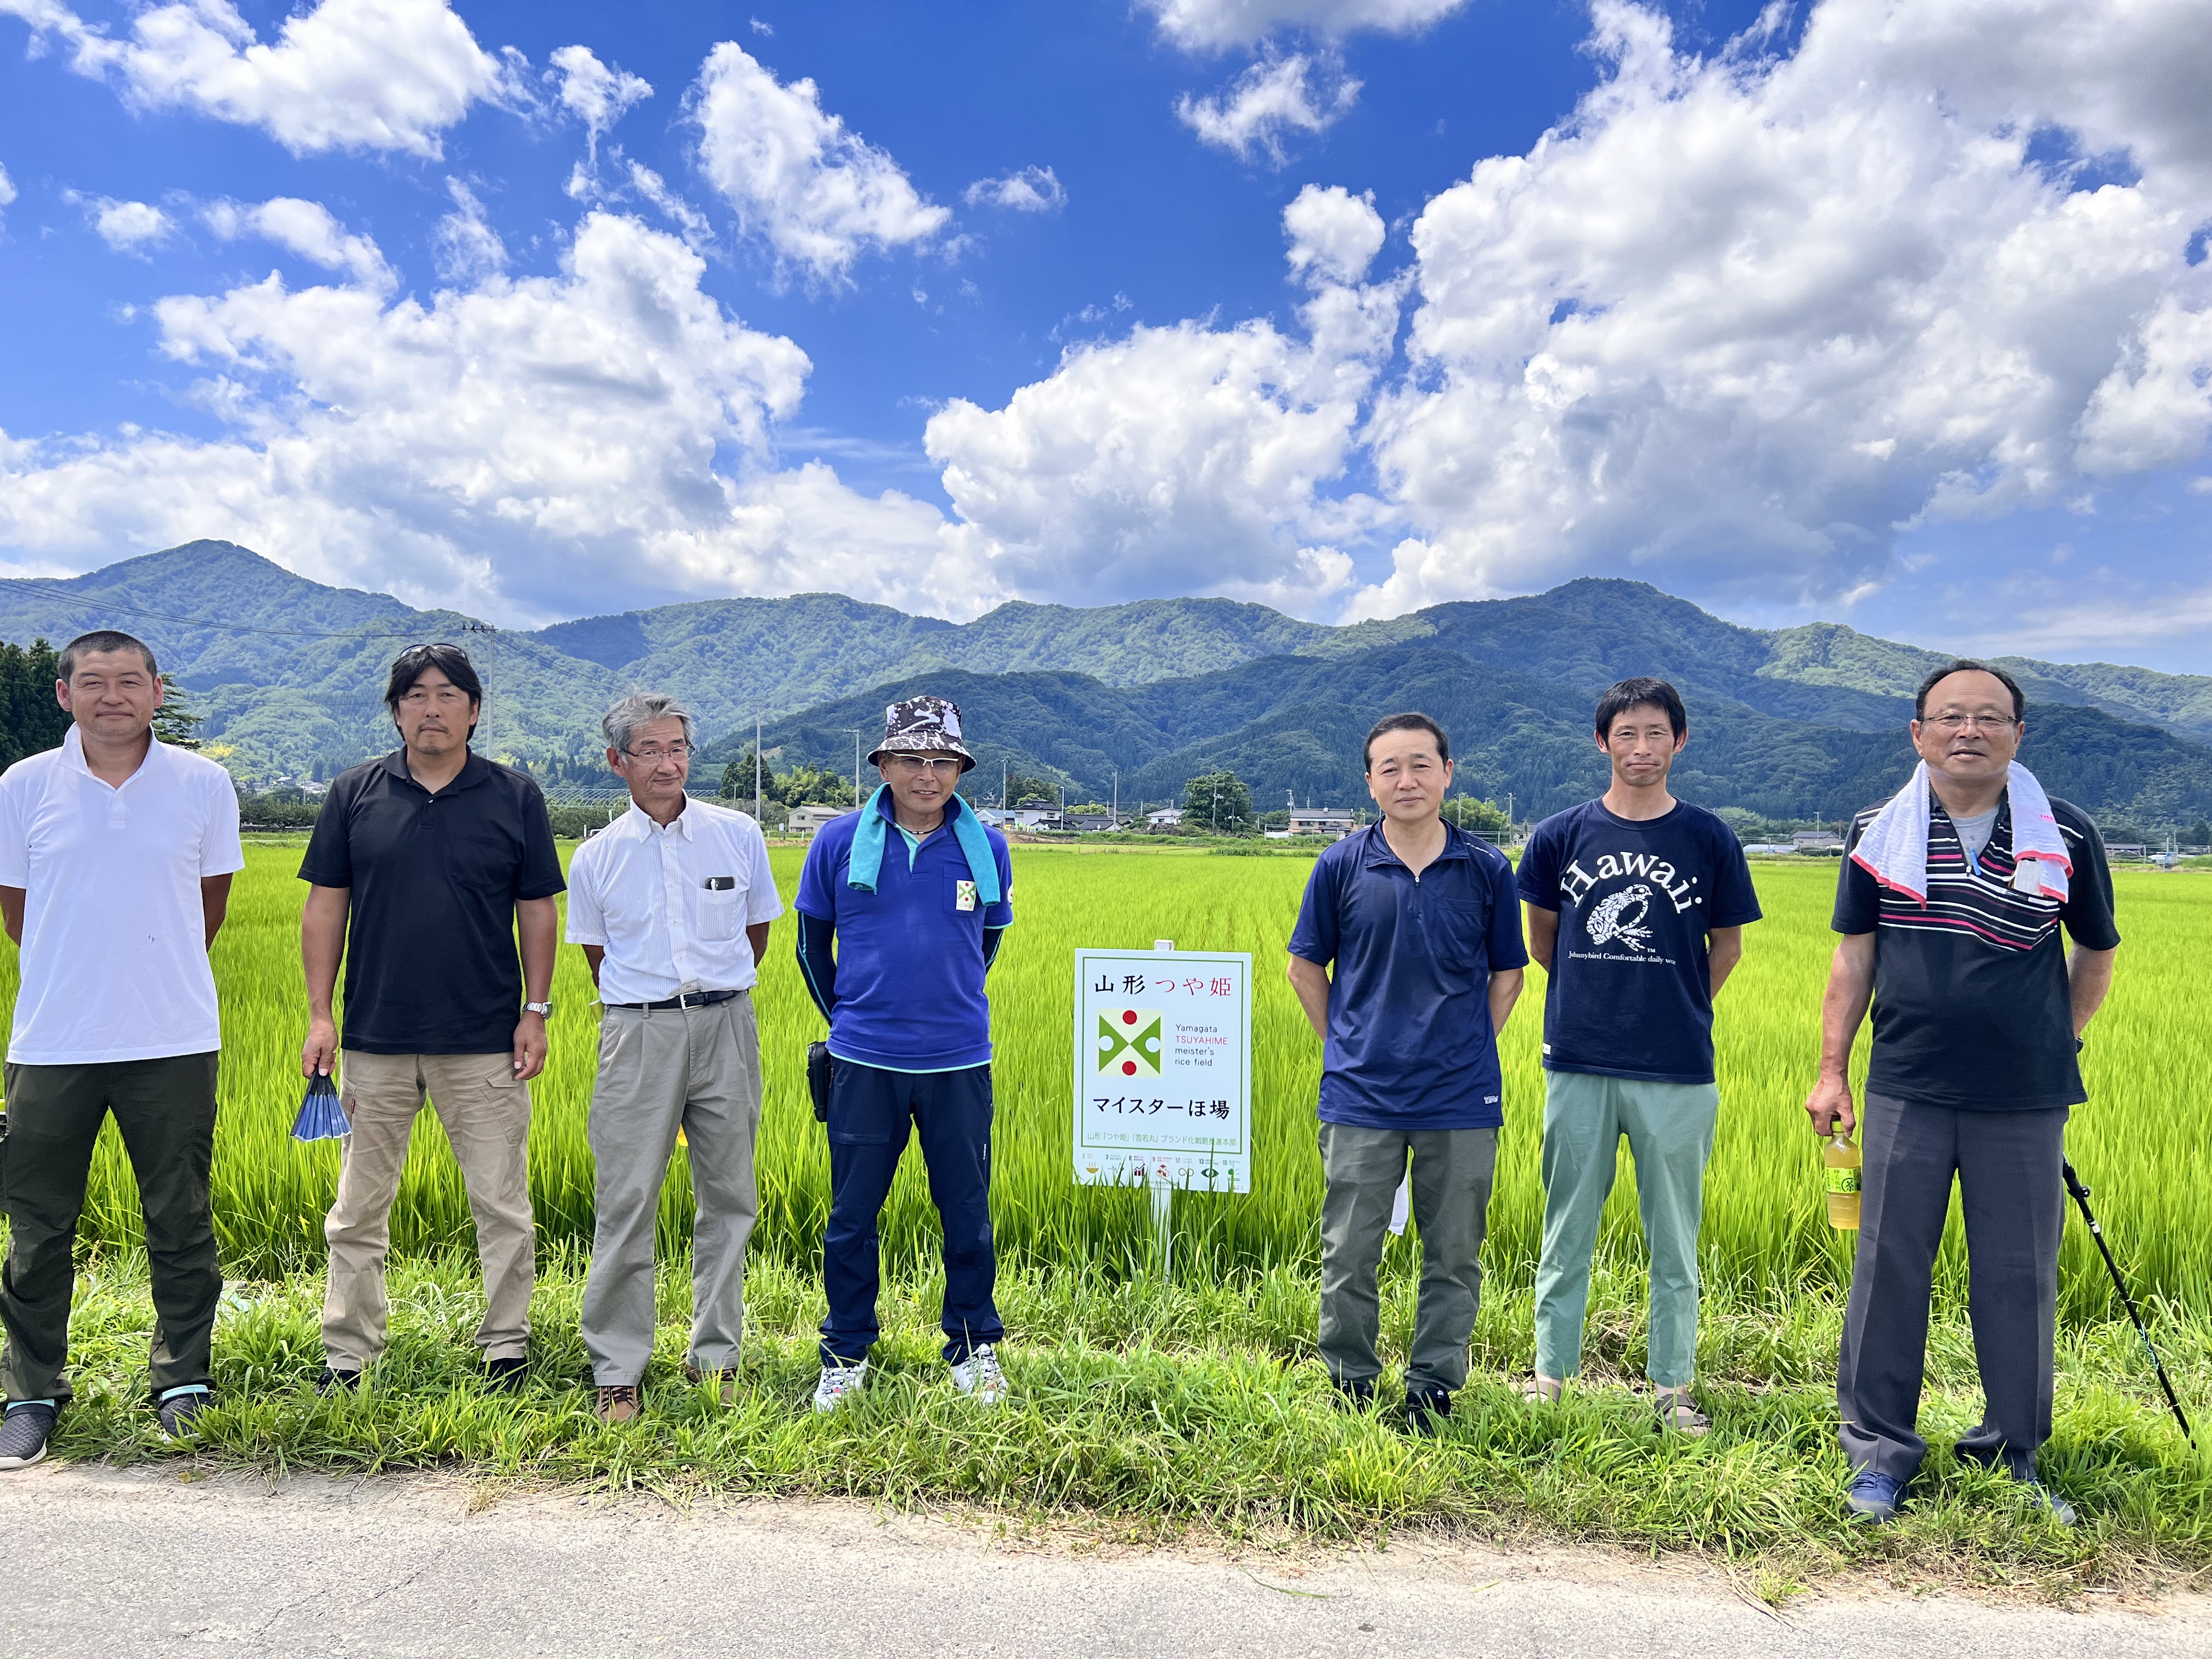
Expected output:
(1972, 1009)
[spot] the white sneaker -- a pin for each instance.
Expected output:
(979, 1377)
(838, 1381)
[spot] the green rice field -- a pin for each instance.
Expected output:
(1153, 1403)
(2147, 1065)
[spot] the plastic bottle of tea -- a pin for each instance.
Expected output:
(1839, 1158)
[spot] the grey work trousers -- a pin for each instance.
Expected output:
(2013, 1202)
(1363, 1167)
(698, 1069)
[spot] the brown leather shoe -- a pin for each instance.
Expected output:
(620, 1403)
(695, 1377)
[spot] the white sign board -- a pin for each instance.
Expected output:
(1164, 1069)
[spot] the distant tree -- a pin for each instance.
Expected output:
(174, 721)
(1025, 791)
(2200, 834)
(1480, 817)
(1218, 803)
(811, 786)
(803, 786)
(31, 721)
(737, 778)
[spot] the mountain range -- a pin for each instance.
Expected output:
(1802, 722)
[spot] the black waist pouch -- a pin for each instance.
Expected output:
(818, 1065)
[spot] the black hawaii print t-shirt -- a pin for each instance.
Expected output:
(1630, 993)
(1971, 1009)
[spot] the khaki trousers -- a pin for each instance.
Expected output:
(486, 1114)
(698, 1069)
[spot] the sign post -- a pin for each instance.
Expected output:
(1164, 1072)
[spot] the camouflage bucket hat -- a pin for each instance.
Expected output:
(923, 726)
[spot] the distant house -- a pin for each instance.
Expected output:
(805, 820)
(1093, 822)
(1037, 817)
(1323, 821)
(1817, 840)
(1168, 817)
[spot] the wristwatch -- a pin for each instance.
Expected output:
(540, 1008)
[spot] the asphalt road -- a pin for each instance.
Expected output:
(116, 1565)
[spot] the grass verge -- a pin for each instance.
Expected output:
(1151, 1410)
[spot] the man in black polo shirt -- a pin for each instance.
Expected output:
(1950, 903)
(438, 857)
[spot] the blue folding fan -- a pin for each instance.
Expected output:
(321, 1117)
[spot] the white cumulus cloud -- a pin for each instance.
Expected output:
(501, 448)
(125, 226)
(1742, 320)
(594, 93)
(7, 188)
(374, 75)
(465, 247)
(1276, 95)
(1334, 235)
(1030, 190)
(818, 193)
(1178, 459)
(1208, 24)
(308, 230)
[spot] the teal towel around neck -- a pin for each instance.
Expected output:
(867, 860)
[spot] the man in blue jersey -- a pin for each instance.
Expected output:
(915, 893)
(1419, 924)
(1637, 906)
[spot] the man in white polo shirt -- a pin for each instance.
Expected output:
(116, 856)
(672, 904)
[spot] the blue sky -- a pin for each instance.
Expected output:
(1895, 316)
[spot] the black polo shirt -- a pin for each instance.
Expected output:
(1971, 1008)
(431, 967)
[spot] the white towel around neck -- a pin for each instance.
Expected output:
(1894, 848)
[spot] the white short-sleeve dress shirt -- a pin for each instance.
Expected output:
(115, 962)
(670, 906)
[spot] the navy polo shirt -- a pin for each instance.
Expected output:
(1410, 1044)
(909, 959)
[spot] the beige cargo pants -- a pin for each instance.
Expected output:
(486, 1114)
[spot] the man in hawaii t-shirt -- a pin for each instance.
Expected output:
(1636, 904)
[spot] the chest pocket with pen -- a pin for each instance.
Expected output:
(722, 908)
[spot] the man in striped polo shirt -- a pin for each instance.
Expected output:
(1950, 904)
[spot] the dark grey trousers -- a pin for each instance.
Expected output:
(1452, 1171)
(2013, 1202)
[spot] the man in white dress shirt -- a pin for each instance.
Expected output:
(672, 904)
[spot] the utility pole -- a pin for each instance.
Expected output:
(490, 661)
(1002, 783)
(756, 763)
(855, 731)
(1113, 814)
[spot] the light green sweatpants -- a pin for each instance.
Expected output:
(1669, 1128)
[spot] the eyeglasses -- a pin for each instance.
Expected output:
(1950, 724)
(947, 765)
(446, 696)
(652, 755)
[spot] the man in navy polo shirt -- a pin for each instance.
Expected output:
(915, 893)
(1420, 923)
(1637, 907)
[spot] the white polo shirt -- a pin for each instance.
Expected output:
(115, 963)
(670, 906)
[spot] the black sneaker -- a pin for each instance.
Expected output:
(24, 1433)
(333, 1380)
(1353, 1393)
(179, 1410)
(1427, 1409)
(507, 1376)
